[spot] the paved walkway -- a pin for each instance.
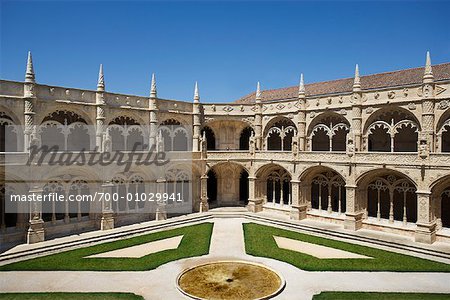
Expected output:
(226, 243)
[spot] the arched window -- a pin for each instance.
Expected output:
(129, 189)
(174, 136)
(392, 131)
(73, 207)
(66, 131)
(329, 133)
(279, 187)
(126, 134)
(444, 134)
(212, 186)
(392, 198)
(445, 208)
(178, 187)
(8, 134)
(210, 138)
(279, 135)
(244, 139)
(328, 192)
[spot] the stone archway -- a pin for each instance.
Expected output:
(274, 185)
(387, 195)
(323, 189)
(228, 179)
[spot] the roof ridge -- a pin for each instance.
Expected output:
(342, 79)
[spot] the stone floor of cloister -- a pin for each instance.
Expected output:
(227, 243)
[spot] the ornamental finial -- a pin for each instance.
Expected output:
(29, 74)
(101, 80)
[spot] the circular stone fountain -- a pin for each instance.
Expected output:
(230, 280)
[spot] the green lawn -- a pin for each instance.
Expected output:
(379, 296)
(195, 242)
(70, 296)
(259, 241)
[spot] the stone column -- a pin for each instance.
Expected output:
(36, 231)
(353, 217)
(426, 225)
(153, 107)
(204, 206)
(298, 206)
(29, 95)
(161, 213)
(100, 112)
(428, 95)
(254, 204)
(107, 220)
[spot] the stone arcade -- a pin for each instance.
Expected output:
(364, 152)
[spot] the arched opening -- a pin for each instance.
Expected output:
(65, 130)
(328, 192)
(279, 135)
(274, 185)
(244, 140)
(226, 183)
(393, 198)
(320, 140)
(212, 188)
(8, 134)
(210, 138)
(328, 132)
(445, 208)
(126, 134)
(406, 138)
(392, 130)
(174, 135)
(7, 219)
(379, 139)
(243, 187)
(444, 134)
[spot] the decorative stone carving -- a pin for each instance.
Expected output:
(412, 106)
(312, 114)
(391, 94)
(444, 104)
(343, 112)
(405, 92)
(369, 110)
(376, 95)
(280, 106)
(439, 89)
(227, 108)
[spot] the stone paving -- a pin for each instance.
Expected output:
(227, 243)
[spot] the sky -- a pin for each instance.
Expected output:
(226, 46)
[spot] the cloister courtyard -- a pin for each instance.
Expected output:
(315, 260)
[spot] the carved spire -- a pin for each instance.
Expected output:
(428, 74)
(153, 86)
(196, 94)
(258, 93)
(101, 80)
(357, 81)
(301, 87)
(29, 75)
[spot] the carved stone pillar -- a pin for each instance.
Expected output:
(204, 206)
(357, 123)
(100, 125)
(298, 206)
(254, 204)
(107, 220)
(426, 225)
(161, 213)
(36, 232)
(353, 216)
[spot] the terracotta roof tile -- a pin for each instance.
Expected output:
(381, 80)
